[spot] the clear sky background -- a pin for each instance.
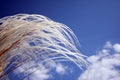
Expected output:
(93, 21)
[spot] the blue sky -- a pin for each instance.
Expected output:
(93, 21)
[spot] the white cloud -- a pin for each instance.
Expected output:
(103, 66)
(108, 45)
(44, 73)
(35, 72)
(60, 69)
(93, 59)
(116, 47)
(40, 72)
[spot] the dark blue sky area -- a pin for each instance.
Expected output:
(93, 21)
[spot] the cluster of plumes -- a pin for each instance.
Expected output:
(25, 38)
